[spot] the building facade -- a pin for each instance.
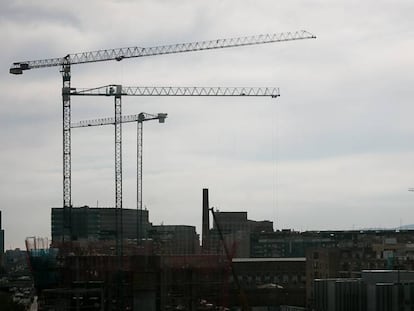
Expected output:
(174, 240)
(88, 223)
(270, 282)
(375, 290)
(1, 241)
(236, 230)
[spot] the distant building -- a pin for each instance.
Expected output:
(231, 222)
(175, 240)
(269, 282)
(376, 290)
(1, 242)
(88, 223)
(285, 243)
(237, 230)
(351, 252)
(151, 283)
(15, 260)
(340, 295)
(332, 263)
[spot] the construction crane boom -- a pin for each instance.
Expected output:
(143, 116)
(132, 52)
(111, 90)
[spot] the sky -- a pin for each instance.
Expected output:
(334, 151)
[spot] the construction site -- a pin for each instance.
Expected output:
(114, 258)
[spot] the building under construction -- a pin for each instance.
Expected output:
(145, 283)
(168, 282)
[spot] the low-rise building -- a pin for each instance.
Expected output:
(271, 282)
(375, 290)
(175, 240)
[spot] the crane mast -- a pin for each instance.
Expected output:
(67, 162)
(140, 154)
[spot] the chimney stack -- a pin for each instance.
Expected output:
(206, 221)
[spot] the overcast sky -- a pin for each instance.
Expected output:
(335, 151)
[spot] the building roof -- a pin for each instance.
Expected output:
(296, 259)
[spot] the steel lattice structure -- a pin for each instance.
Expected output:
(143, 116)
(131, 52)
(109, 90)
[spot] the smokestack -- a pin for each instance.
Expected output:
(206, 221)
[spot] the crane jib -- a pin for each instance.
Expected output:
(115, 90)
(130, 52)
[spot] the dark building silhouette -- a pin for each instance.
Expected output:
(286, 243)
(168, 268)
(88, 223)
(237, 230)
(174, 240)
(205, 220)
(375, 290)
(1, 241)
(270, 282)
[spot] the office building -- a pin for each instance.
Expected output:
(88, 223)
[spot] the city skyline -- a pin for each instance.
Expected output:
(333, 152)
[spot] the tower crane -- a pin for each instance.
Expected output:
(117, 91)
(119, 54)
(140, 119)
